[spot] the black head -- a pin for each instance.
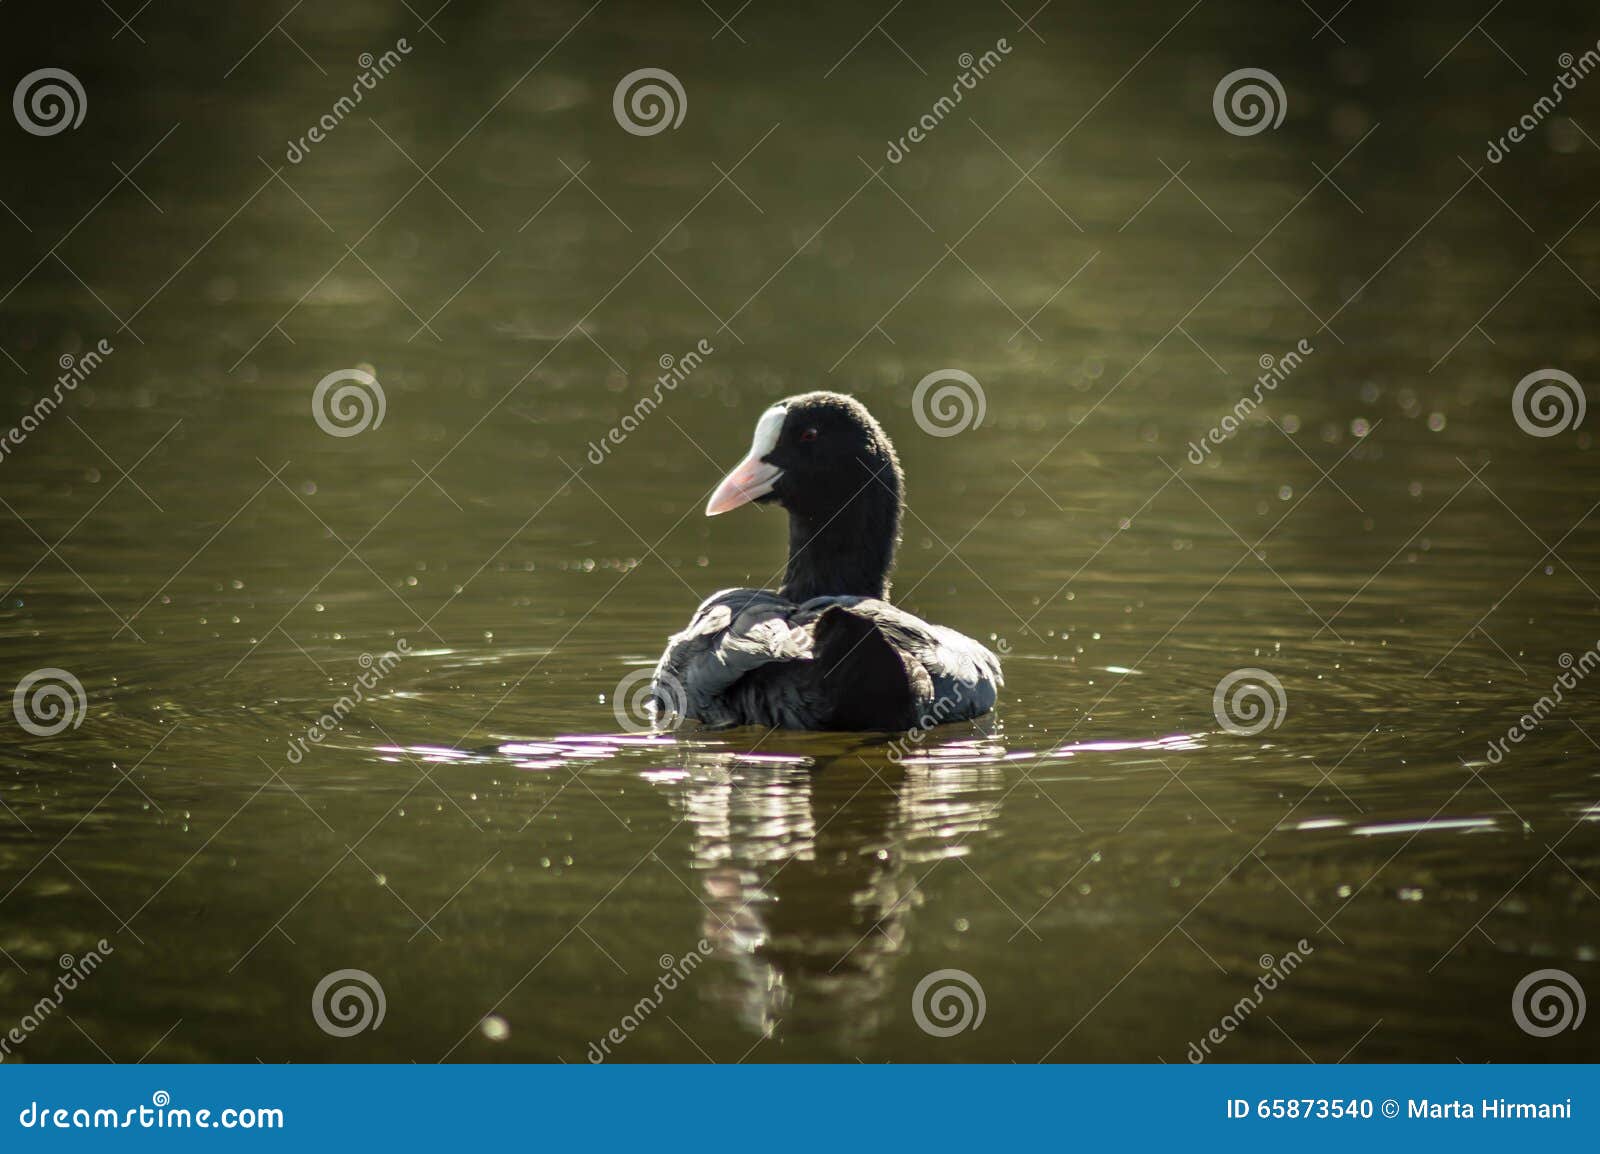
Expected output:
(825, 459)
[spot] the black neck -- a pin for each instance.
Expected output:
(848, 551)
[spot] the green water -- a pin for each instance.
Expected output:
(480, 834)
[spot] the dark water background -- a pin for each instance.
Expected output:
(1103, 860)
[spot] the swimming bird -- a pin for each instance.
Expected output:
(826, 650)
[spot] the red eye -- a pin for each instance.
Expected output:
(809, 435)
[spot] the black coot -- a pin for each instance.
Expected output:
(827, 650)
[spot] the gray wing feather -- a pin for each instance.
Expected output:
(734, 632)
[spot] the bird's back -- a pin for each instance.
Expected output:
(753, 657)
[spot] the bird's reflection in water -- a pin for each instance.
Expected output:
(810, 869)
